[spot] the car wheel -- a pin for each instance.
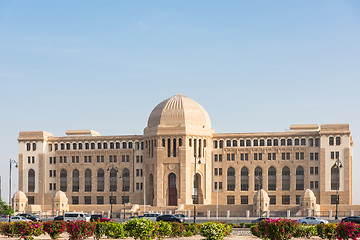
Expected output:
(305, 223)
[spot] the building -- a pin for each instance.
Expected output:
(180, 160)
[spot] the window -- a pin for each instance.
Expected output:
(244, 200)
(220, 186)
(87, 146)
(269, 142)
(285, 179)
(334, 177)
(338, 141)
(303, 142)
(317, 142)
(311, 170)
(316, 156)
(117, 145)
(244, 179)
(131, 145)
(68, 146)
(274, 156)
(105, 145)
(289, 142)
(287, 156)
(235, 143)
(88, 184)
(28, 147)
(283, 156)
(242, 143)
(258, 178)
(311, 184)
(255, 156)
(230, 199)
(92, 145)
(232, 157)
(100, 180)
(231, 179)
(283, 142)
(31, 180)
(215, 144)
(228, 157)
(113, 180)
(221, 143)
(125, 199)
(298, 199)
(334, 199)
(297, 142)
(316, 170)
(216, 172)
(228, 143)
(276, 142)
(100, 200)
(34, 146)
(63, 180)
(331, 141)
(272, 199)
(299, 178)
(75, 180)
(316, 184)
(75, 200)
(126, 180)
(220, 157)
(286, 200)
(216, 158)
(272, 179)
(87, 200)
(31, 200)
(255, 143)
(248, 143)
(302, 155)
(311, 142)
(297, 155)
(74, 146)
(269, 156)
(262, 142)
(112, 199)
(311, 156)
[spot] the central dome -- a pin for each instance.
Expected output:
(179, 112)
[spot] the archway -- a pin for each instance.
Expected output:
(198, 198)
(172, 189)
(150, 192)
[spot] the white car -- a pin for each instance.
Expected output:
(76, 216)
(151, 216)
(182, 216)
(312, 220)
(19, 218)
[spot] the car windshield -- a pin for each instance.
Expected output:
(87, 215)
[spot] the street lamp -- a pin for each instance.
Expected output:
(123, 191)
(12, 161)
(196, 183)
(259, 179)
(165, 194)
(111, 189)
(337, 165)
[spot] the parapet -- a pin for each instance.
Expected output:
(75, 133)
(34, 136)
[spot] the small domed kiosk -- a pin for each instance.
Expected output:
(60, 202)
(308, 204)
(261, 198)
(20, 201)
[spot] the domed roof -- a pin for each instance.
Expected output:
(20, 195)
(264, 194)
(308, 194)
(60, 195)
(179, 111)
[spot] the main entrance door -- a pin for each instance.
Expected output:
(172, 189)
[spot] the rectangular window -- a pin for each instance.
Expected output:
(232, 157)
(242, 157)
(215, 185)
(112, 199)
(137, 159)
(317, 142)
(220, 157)
(73, 159)
(338, 141)
(54, 160)
(50, 186)
(246, 157)
(269, 156)
(85, 159)
(60, 159)
(75, 200)
(29, 159)
(31, 200)
(33, 159)
(110, 158)
(100, 199)
(311, 184)
(87, 200)
(302, 156)
(137, 172)
(124, 199)
(97, 158)
(298, 199)
(230, 199)
(336, 155)
(332, 155)
(316, 170)
(137, 186)
(286, 200)
(54, 186)
(311, 170)
(50, 173)
(244, 200)
(228, 157)
(220, 186)
(50, 160)
(311, 142)
(297, 155)
(287, 156)
(216, 171)
(274, 156)
(220, 171)
(316, 184)
(334, 199)
(216, 158)
(260, 156)
(255, 156)
(311, 156)
(272, 200)
(283, 156)
(316, 156)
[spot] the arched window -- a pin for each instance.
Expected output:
(299, 178)
(242, 143)
(272, 179)
(297, 142)
(334, 178)
(63, 180)
(289, 142)
(105, 145)
(80, 146)
(234, 143)
(87, 146)
(124, 145)
(68, 146)
(221, 144)
(113, 180)
(74, 146)
(92, 145)
(262, 142)
(228, 143)
(88, 180)
(303, 142)
(174, 147)
(331, 141)
(215, 144)
(269, 142)
(282, 142)
(28, 147)
(248, 143)
(126, 180)
(256, 142)
(285, 179)
(258, 178)
(34, 146)
(99, 145)
(100, 180)
(338, 141)
(163, 142)
(31, 180)
(244, 179)
(169, 147)
(75, 180)
(231, 179)
(276, 142)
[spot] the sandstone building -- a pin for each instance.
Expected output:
(295, 169)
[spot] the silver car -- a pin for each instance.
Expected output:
(19, 218)
(151, 216)
(312, 220)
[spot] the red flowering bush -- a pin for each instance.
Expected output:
(7, 229)
(347, 230)
(326, 231)
(54, 228)
(177, 229)
(277, 229)
(26, 230)
(80, 230)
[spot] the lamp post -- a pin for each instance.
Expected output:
(337, 165)
(195, 193)
(258, 178)
(12, 161)
(111, 189)
(123, 191)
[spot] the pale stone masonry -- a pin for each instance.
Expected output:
(231, 167)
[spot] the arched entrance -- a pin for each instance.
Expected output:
(198, 195)
(172, 189)
(150, 195)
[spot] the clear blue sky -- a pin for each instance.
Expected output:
(104, 65)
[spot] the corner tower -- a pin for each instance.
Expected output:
(178, 134)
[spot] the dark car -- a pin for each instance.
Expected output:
(169, 218)
(354, 219)
(59, 218)
(99, 218)
(30, 217)
(259, 220)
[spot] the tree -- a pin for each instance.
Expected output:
(5, 209)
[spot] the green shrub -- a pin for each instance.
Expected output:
(326, 231)
(115, 230)
(7, 229)
(54, 228)
(178, 230)
(214, 231)
(277, 229)
(142, 229)
(254, 230)
(80, 230)
(162, 229)
(248, 225)
(192, 229)
(100, 229)
(305, 231)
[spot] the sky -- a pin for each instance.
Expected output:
(255, 66)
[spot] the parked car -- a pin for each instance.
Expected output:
(30, 216)
(312, 220)
(182, 216)
(259, 220)
(169, 218)
(99, 218)
(354, 219)
(151, 216)
(19, 218)
(76, 216)
(59, 218)
(132, 217)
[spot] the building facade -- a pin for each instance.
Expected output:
(180, 160)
